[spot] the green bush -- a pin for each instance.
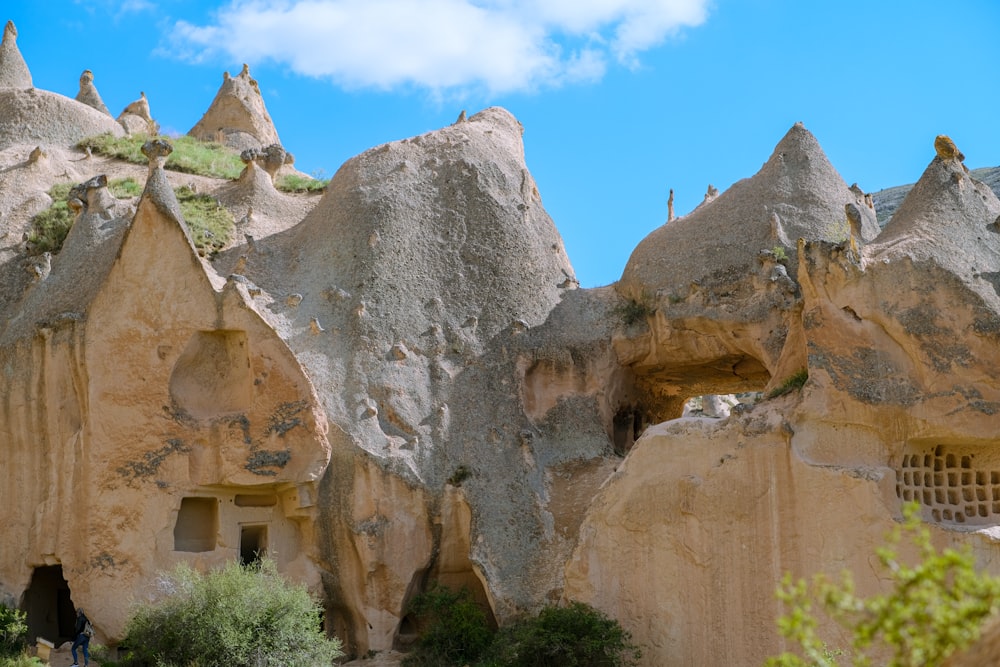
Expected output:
(573, 636)
(632, 311)
(13, 631)
(456, 631)
(233, 617)
(932, 609)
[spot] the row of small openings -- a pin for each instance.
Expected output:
(954, 479)
(947, 484)
(939, 460)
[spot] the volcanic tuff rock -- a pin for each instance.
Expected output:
(14, 71)
(398, 383)
(136, 117)
(88, 93)
(237, 116)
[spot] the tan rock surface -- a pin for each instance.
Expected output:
(36, 117)
(398, 383)
(237, 116)
(720, 510)
(223, 430)
(88, 93)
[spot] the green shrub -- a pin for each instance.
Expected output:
(631, 311)
(792, 383)
(233, 617)
(573, 636)
(21, 660)
(211, 224)
(456, 631)
(932, 608)
(297, 183)
(13, 631)
(190, 155)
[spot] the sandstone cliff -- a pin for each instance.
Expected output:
(398, 383)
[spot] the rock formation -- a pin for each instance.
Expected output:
(88, 93)
(237, 116)
(746, 499)
(14, 72)
(36, 117)
(398, 383)
(136, 117)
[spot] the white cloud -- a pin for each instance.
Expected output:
(497, 45)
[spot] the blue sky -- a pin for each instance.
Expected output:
(621, 99)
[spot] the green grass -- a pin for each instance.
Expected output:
(50, 227)
(297, 183)
(210, 224)
(190, 155)
(125, 188)
(790, 384)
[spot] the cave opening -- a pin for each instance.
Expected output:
(49, 606)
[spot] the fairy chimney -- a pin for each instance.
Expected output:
(88, 93)
(14, 71)
(237, 116)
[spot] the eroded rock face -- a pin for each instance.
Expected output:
(237, 116)
(424, 280)
(898, 406)
(717, 288)
(226, 439)
(39, 117)
(401, 384)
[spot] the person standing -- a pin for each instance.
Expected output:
(84, 630)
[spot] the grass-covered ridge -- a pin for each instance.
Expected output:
(193, 156)
(190, 155)
(211, 225)
(50, 227)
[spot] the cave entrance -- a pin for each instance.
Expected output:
(411, 626)
(253, 544)
(49, 606)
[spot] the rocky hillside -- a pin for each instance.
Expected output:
(396, 382)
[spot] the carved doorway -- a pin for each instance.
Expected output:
(49, 606)
(253, 544)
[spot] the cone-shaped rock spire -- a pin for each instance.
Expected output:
(948, 217)
(237, 116)
(796, 194)
(14, 71)
(88, 93)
